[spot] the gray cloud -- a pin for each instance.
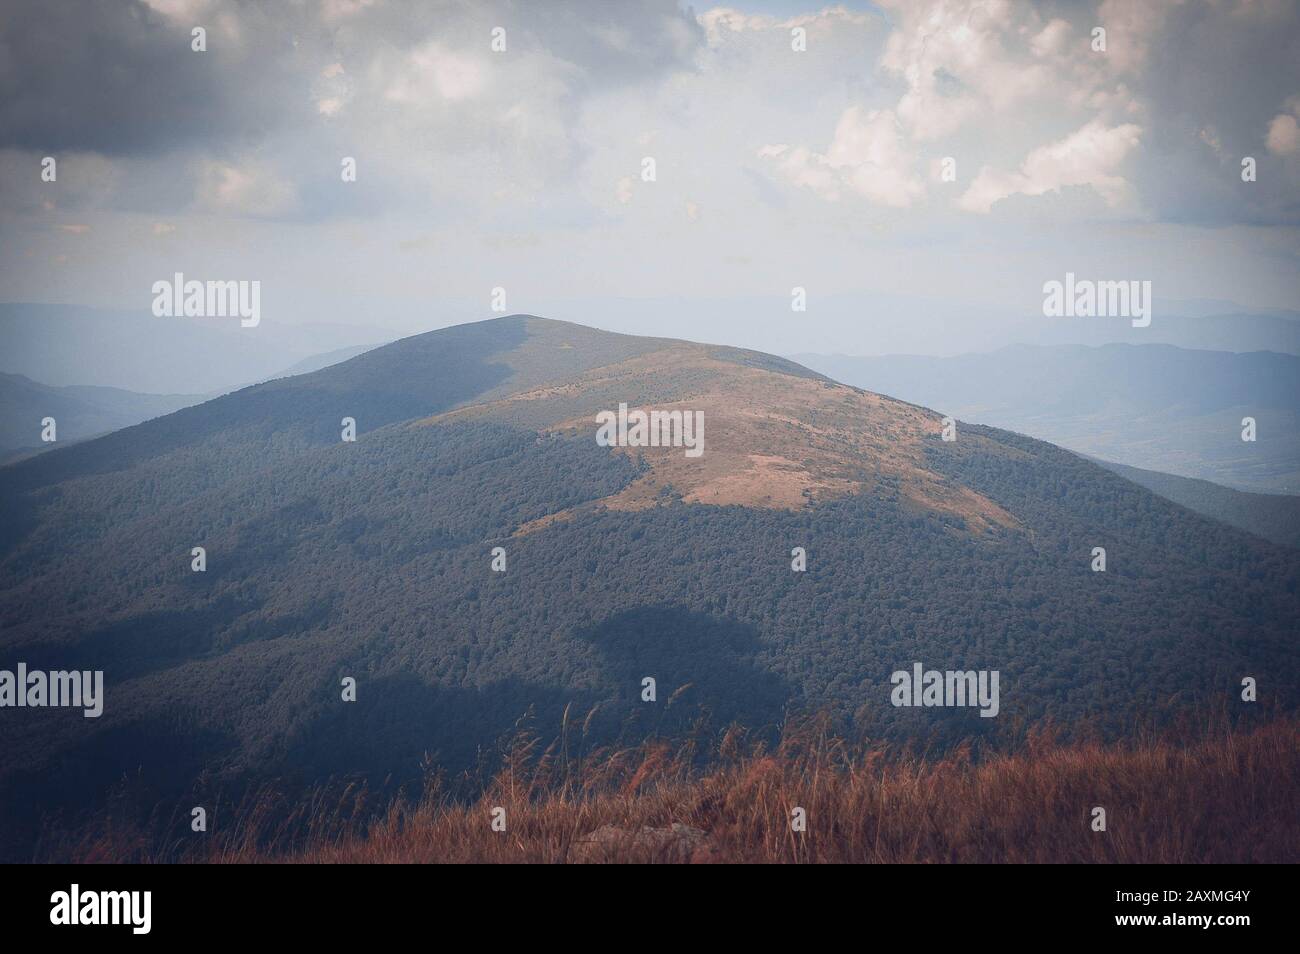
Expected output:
(119, 78)
(1214, 78)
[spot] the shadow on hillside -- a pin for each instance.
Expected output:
(134, 765)
(141, 644)
(397, 720)
(703, 666)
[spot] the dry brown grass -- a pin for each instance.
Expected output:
(1225, 796)
(847, 441)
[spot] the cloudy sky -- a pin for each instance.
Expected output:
(774, 167)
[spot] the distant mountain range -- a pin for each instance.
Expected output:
(825, 538)
(1274, 517)
(82, 411)
(884, 324)
(1150, 406)
(317, 361)
(1235, 332)
(62, 345)
(79, 411)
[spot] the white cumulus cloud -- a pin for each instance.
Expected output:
(866, 158)
(1089, 156)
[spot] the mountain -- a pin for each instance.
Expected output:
(329, 560)
(133, 350)
(1274, 517)
(79, 411)
(82, 411)
(1236, 331)
(317, 361)
(314, 362)
(1150, 406)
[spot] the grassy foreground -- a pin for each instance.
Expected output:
(1223, 796)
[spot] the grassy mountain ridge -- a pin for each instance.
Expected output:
(410, 378)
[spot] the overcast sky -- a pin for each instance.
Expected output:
(774, 167)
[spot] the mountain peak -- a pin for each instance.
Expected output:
(776, 434)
